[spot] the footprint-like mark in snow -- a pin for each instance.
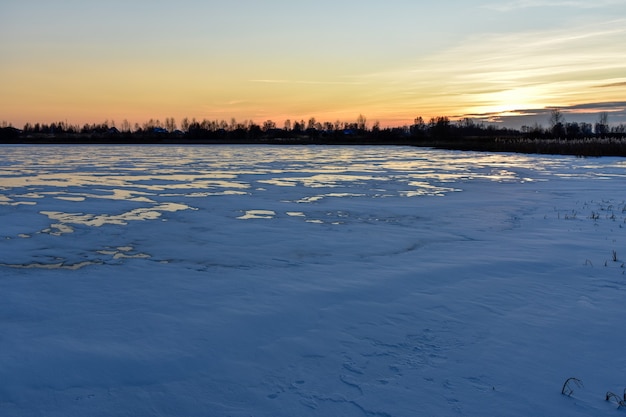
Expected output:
(350, 381)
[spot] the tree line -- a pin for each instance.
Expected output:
(570, 137)
(296, 130)
(559, 128)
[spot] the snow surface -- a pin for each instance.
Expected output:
(309, 281)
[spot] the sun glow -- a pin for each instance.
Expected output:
(507, 102)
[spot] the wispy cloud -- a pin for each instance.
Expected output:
(304, 82)
(620, 84)
(586, 112)
(610, 106)
(526, 4)
(497, 72)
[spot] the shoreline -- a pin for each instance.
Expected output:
(585, 147)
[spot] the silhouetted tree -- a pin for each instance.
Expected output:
(572, 130)
(268, 125)
(439, 127)
(361, 123)
(184, 124)
(125, 126)
(254, 130)
(419, 128)
(557, 123)
(602, 126)
(586, 129)
(170, 124)
(556, 117)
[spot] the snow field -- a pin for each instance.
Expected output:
(358, 301)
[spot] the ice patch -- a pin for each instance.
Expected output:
(7, 201)
(316, 198)
(257, 214)
(98, 220)
(123, 252)
(67, 198)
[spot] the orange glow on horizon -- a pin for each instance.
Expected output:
(165, 68)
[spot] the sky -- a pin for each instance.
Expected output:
(508, 62)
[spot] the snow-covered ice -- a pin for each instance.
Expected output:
(309, 281)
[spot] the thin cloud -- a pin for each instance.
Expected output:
(526, 4)
(305, 82)
(504, 72)
(518, 112)
(621, 84)
(586, 112)
(610, 106)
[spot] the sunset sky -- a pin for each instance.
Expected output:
(85, 61)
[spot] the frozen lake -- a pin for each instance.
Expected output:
(295, 281)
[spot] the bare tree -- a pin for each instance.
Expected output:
(170, 124)
(361, 122)
(557, 121)
(268, 125)
(125, 125)
(556, 117)
(602, 126)
(603, 118)
(184, 125)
